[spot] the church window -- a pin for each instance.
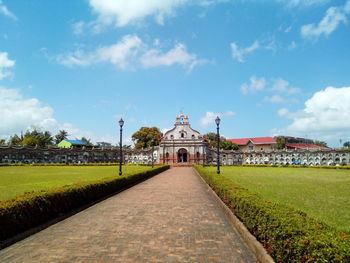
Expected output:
(182, 135)
(172, 137)
(182, 119)
(193, 137)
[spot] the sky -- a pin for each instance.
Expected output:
(266, 67)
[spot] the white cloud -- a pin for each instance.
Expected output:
(334, 16)
(78, 27)
(4, 10)
(303, 3)
(177, 55)
(282, 86)
(276, 98)
(131, 52)
(119, 54)
(325, 116)
(210, 117)
(292, 46)
(124, 12)
(239, 53)
(5, 63)
(19, 114)
(255, 84)
(282, 91)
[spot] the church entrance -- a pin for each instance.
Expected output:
(182, 156)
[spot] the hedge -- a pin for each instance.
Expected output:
(346, 167)
(73, 164)
(288, 235)
(33, 209)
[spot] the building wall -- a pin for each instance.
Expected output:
(64, 144)
(256, 147)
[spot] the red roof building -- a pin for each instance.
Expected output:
(304, 146)
(254, 144)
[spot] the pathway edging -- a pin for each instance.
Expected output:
(256, 247)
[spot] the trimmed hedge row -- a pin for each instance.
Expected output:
(33, 209)
(298, 166)
(287, 234)
(73, 164)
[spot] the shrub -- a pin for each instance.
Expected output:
(287, 234)
(32, 209)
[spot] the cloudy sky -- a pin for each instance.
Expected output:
(273, 67)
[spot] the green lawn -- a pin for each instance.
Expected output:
(321, 193)
(18, 180)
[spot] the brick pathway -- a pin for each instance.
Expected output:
(168, 218)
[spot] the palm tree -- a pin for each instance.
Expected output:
(62, 135)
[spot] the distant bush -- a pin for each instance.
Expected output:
(298, 166)
(32, 209)
(287, 234)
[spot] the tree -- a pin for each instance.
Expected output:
(321, 143)
(143, 137)
(346, 144)
(60, 136)
(211, 136)
(2, 142)
(87, 141)
(15, 140)
(224, 144)
(281, 143)
(29, 140)
(36, 137)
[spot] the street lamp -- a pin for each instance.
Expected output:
(121, 123)
(152, 152)
(217, 121)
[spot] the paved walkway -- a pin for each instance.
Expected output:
(168, 218)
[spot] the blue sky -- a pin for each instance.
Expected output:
(266, 68)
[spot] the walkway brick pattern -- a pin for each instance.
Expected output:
(169, 218)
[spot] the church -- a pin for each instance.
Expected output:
(182, 144)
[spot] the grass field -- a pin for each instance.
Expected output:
(321, 193)
(18, 180)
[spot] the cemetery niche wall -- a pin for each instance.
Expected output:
(181, 145)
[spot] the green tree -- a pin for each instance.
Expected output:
(211, 136)
(228, 145)
(346, 144)
(15, 140)
(86, 140)
(145, 135)
(37, 137)
(60, 136)
(321, 143)
(224, 144)
(29, 140)
(281, 143)
(2, 142)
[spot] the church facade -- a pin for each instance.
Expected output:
(182, 144)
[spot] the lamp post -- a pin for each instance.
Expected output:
(152, 152)
(121, 123)
(217, 121)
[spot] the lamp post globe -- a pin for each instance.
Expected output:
(217, 121)
(121, 124)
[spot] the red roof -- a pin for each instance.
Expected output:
(256, 140)
(304, 146)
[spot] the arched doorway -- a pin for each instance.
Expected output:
(182, 156)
